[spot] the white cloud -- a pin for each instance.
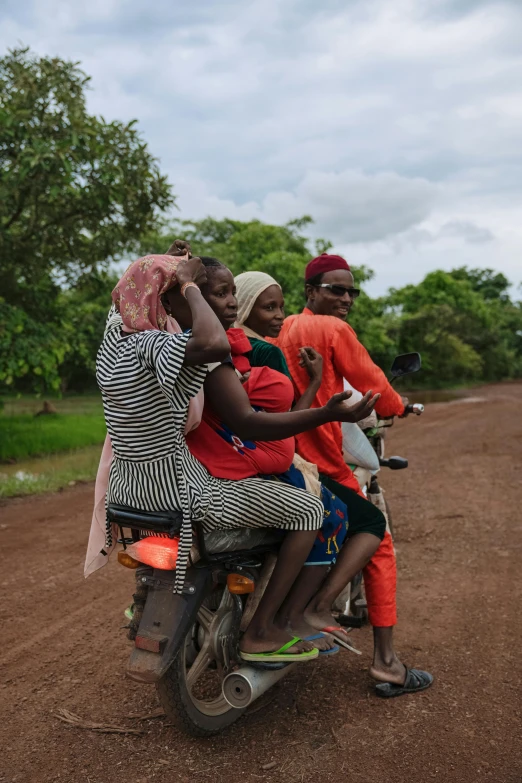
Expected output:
(395, 125)
(347, 207)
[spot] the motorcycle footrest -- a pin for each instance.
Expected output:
(349, 621)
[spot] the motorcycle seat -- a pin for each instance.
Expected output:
(169, 523)
(166, 522)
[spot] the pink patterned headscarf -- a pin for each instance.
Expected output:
(137, 296)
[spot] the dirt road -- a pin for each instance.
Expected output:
(458, 519)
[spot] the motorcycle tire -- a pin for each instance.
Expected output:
(194, 710)
(176, 700)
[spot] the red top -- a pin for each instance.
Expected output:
(223, 453)
(343, 357)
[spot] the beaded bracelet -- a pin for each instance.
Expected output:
(184, 287)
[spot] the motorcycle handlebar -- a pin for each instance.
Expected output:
(413, 407)
(416, 408)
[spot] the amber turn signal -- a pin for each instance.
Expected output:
(240, 585)
(126, 560)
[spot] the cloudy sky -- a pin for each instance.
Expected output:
(396, 124)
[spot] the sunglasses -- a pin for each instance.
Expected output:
(340, 290)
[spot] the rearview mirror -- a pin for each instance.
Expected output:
(405, 364)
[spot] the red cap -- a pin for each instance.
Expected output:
(325, 263)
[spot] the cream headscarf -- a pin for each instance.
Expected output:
(249, 286)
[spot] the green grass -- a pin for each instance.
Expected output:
(50, 474)
(48, 453)
(25, 436)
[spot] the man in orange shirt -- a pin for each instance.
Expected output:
(330, 295)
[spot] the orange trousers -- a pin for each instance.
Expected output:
(380, 581)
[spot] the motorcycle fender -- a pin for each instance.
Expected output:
(167, 616)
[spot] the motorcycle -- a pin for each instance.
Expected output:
(187, 644)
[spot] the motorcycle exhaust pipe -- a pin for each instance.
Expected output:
(246, 684)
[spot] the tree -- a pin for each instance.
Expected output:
(31, 353)
(76, 192)
(491, 285)
(84, 309)
(463, 323)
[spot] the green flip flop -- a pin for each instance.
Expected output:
(281, 654)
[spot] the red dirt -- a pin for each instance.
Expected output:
(457, 515)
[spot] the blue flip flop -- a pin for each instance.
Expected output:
(334, 650)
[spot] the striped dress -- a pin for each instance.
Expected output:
(146, 390)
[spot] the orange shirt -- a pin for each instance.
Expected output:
(343, 357)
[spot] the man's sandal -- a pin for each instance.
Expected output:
(416, 680)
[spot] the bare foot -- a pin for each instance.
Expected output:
(270, 639)
(319, 619)
(394, 672)
(299, 627)
(323, 619)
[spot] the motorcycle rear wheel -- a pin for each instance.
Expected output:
(190, 691)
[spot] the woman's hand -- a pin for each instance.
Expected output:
(340, 411)
(312, 362)
(179, 248)
(191, 270)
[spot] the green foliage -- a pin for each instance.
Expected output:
(437, 332)
(85, 309)
(489, 284)
(463, 323)
(31, 354)
(76, 192)
(27, 436)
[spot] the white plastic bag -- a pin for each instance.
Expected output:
(356, 446)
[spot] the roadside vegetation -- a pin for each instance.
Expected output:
(49, 452)
(25, 436)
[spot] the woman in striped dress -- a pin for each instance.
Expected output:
(147, 377)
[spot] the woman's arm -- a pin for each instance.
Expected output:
(230, 402)
(208, 342)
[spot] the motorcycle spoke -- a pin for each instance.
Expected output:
(227, 601)
(200, 665)
(205, 617)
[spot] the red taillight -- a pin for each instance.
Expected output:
(156, 552)
(150, 643)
